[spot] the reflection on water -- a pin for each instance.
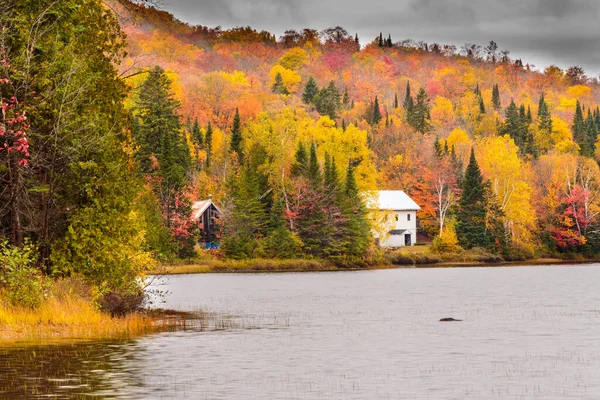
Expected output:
(528, 333)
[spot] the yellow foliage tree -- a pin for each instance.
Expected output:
(294, 59)
(500, 163)
(291, 79)
(442, 113)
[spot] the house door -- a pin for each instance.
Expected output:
(407, 239)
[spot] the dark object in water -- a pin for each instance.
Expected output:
(449, 320)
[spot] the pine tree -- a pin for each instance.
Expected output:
(376, 112)
(314, 171)
(280, 242)
(388, 42)
(419, 118)
(437, 145)
(197, 134)
(346, 100)
(496, 98)
(358, 230)
(380, 43)
(208, 143)
(580, 132)
(310, 91)
(278, 86)
(471, 216)
(344, 125)
(481, 105)
(236, 135)
(159, 136)
(476, 90)
(544, 118)
(512, 125)
(300, 165)
(408, 100)
(396, 100)
(327, 101)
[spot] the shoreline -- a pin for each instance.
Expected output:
(320, 266)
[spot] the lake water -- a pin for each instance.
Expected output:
(527, 333)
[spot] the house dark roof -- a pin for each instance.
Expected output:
(398, 231)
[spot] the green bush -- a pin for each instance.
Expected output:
(20, 283)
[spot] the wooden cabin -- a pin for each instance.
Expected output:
(206, 213)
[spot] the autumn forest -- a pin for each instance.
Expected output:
(116, 117)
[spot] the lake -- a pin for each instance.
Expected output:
(527, 333)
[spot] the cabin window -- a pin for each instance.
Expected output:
(408, 217)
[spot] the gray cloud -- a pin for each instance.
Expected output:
(563, 32)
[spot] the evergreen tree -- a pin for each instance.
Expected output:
(236, 135)
(300, 165)
(388, 42)
(314, 171)
(380, 42)
(310, 91)
(358, 230)
(481, 105)
(346, 100)
(280, 242)
(408, 100)
(419, 118)
(396, 104)
(327, 101)
(544, 118)
(437, 145)
(278, 86)
(580, 134)
(197, 134)
(472, 208)
(208, 144)
(376, 112)
(512, 126)
(496, 98)
(159, 137)
(476, 90)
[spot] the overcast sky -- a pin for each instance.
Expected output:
(541, 32)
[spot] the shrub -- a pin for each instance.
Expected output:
(20, 283)
(518, 252)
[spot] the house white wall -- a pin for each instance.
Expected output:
(404, 221)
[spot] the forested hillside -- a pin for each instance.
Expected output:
(404, 115)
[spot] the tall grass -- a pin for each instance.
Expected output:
(69, 312)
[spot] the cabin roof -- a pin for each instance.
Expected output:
(199, 207)
(395, 200)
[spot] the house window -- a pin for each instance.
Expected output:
(408, 217)
(397, 217)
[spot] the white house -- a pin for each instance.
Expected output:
(398, 214)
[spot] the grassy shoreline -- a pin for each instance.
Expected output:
(278, 266)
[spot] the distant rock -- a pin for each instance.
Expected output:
(450, 320)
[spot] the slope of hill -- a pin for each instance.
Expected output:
(408, 114)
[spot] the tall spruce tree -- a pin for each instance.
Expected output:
(159, 137)
(512, 125)
(580, 134)
(208, 144)
(419, 118)
(376, 112)
(314, 170)
(236, 135)
(396, 104)
(357, 228)
(310, 91)
(544, 117)
(300, 165)
(496, 98)
(471, 215)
